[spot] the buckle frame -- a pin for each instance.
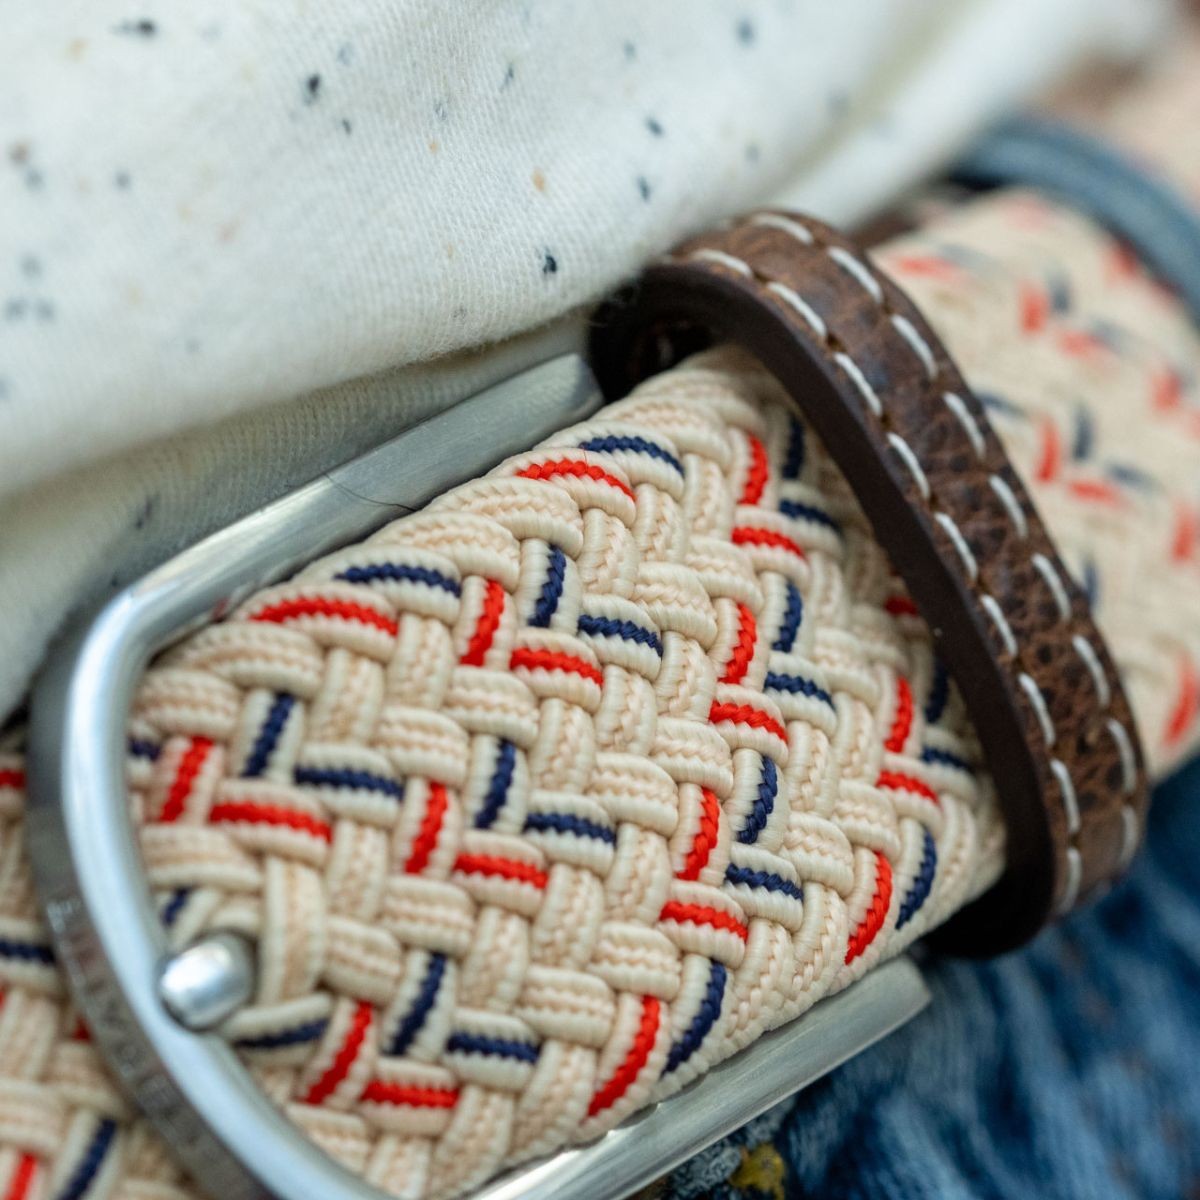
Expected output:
(97, 904)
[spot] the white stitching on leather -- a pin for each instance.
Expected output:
(992, 608)
(856, 270)
(1069, 800)
(1040, 709)
(960, 544)
(860, 381)
(1125, 749)
(1091, 660)
(1074, 877)
(958, 406)
(806, 311)
(1015, 512)
(1046, 569)
(775, 221)
(920, 347)
(726, 260)
(909, 459)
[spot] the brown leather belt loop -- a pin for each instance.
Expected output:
(916, 446)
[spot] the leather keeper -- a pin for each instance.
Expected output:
(934, 481)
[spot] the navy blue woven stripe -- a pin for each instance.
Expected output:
(612, 442)
(626, 630)
(552, 586)
(33, 952)
(808, 512)
(931, 754)
(477, 1043)
(705, 1017)
(1084, 439)
(308, 1032)
(939, 692)
(497, 793)
(1130, 476)
(81, 1178)
(268, 735)
(423, 1002)
(174, 906)
(1002, 404)
(400, 573)
(345, 777)
(796, 685)
(766, 880)
(557, 822)
(141, 748)
(793, 460)
(793, 614)
(1091, 583)
(764, 803)
(922, 884)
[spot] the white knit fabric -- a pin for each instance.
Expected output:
(207, 211)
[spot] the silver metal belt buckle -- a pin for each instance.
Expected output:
(148, 1010)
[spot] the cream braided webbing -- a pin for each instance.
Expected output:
(493, 790)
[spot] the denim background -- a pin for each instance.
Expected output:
(1068, 1069)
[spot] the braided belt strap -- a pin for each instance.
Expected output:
(935, 483)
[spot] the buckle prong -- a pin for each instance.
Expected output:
(209, 981)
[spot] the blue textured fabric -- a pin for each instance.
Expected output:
(1098, 179)
(1069, 1069)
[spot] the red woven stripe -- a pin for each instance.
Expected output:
(10, 778)
(505, 868)
(324, 606)
(1098, 491)
(1186, 704)
(190, 765)
(576, 468)
(706, 837)
(532, 659)
(1123, 261)
(1183, 540)
(431, 825)
(1035, 308)
(743, 649)
(249, 813)
(700, 914)
(486, 626)
(1078, 343)
(21, 1183)
(360, 1024)
(926, 265)
(906, 783)
(902, 721)
(900, 606)
(744, 535)
(1166, 390)
(756, 475)
(379, 1091)
(743, 714)
(1050, 458)
(874, 917)
(631, 1066)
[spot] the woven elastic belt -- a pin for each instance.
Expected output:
(1094, 177)
(649, 905)
(918, 451)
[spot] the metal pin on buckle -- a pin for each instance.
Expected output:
(149, 1011)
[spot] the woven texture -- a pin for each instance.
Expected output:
(1091, 375)
(540, 802)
